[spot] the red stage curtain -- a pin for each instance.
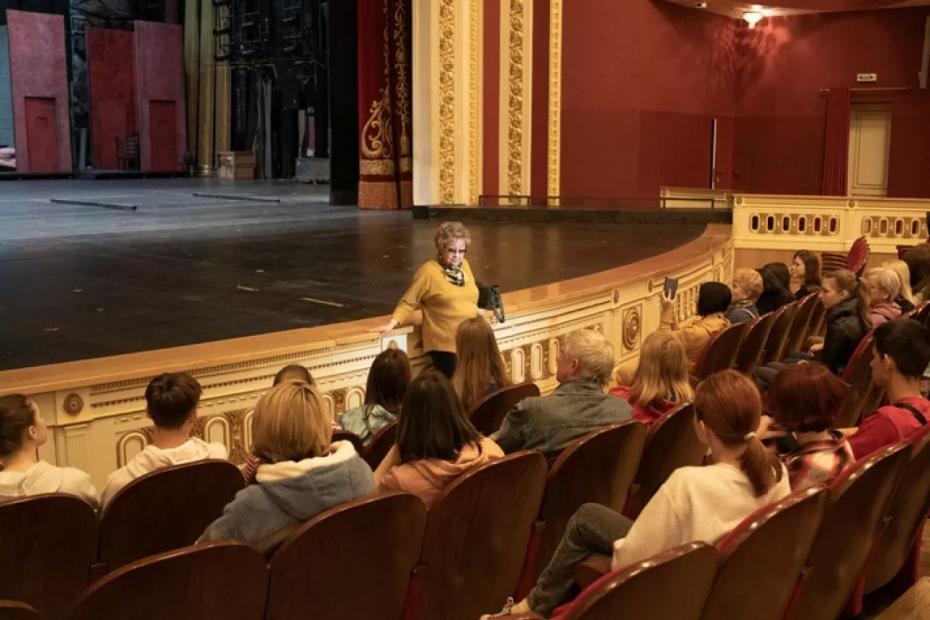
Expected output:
(836, 143)
(384, 104)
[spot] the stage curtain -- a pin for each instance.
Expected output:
(384, 104)
(836, 143)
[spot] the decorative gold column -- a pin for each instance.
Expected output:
(446, 101)
(205, 151)
(555, 99)
(192, 69)
(516, 96)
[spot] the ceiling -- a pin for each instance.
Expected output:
(735, 8)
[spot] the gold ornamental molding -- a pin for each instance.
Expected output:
(474, 99)
(515, 73)
(553, 186)
(447, 101)
(382, 167)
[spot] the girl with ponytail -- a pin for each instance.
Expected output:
(695, 504)
(846, 299)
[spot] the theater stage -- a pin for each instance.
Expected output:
(89, 280)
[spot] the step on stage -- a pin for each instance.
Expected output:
(87, 276)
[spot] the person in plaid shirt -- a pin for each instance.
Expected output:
(803, 402)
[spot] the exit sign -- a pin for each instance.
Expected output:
(866, 77)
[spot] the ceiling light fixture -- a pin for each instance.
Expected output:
(753, 17)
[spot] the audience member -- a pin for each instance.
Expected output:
(694, 504)
(171, 402)
(883, 287)
(302, 472)
(436, 442)
(775, 291)
(905, 297)
(803, 402)
(480, 369)
(293, 372)
(746, 289)
(384, 393)
(918, 263)
(22, 431)
(805, 269)
(661, 381)
(576, 407)
(713, 301)
(899, 360)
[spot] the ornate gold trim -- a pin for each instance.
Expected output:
(553, 186)
(515, 98)
(382, 167)
(402, 88)
(447, 101)
(474, 99)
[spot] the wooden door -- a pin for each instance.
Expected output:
(163, 128)
(869, 142)
(41, 134)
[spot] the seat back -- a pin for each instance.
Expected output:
(858, 368)
(762, 558)
(17, 610)
(906, 516)
(720, 353)
(816, 325)
(216, 580)
(165, 509)
(797, 333)
(47, 545)
(832, 261)
(488, 413)
(370, 547)
(753, 345)
(380, 445)
(858, 503)
(351, 438)
(476, 537)
(670, 443)
(599, 468)
(669, 586)
(778, 335)
(858, 256)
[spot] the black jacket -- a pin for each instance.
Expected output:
(844, 331)
(773, 300)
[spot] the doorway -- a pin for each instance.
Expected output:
(869, 143)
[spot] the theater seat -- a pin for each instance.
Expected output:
(165, 509)
(762, 558)
(222, 580)
(672, 585)
(352, 561)
(16, 610)
(778, 336)
(380, 445)
(797, 333)
(476, 537)
(488, 413)
(720, 353)
(753, 345)
(599, 468)
(47, 545)
(863, 396)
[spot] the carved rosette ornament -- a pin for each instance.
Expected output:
(73, 404)
(631, 327)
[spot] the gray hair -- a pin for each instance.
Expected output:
(886, 280)
(594, 354)
(449, 232)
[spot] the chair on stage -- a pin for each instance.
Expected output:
(614, 454)
(476, 537)
(488, 413)
(797, 333)
(670, 443)
(762, 558)
(17, 610)
(352, 561)
(720, 353)
(778, 336)
(753, 345)
(165, 509)
(48, 544)
(215, 580)
(380, 445)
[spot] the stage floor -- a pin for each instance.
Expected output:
(81, 281)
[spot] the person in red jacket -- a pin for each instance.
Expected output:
(899, 359)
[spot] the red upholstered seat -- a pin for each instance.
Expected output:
(598, 467)
(753, 345)
(817, 323)
(858, 256)
(859, 501)
(797, 333)
(380, 445)
(778, 336)
(762, 558)
(352, 561)
(215, 580)
(17, 610)
(165, 509)
(488, 413)
(720, 353)
(672, 585)
(47, 545)
(476, 537)
(670, 443)
(863, 396)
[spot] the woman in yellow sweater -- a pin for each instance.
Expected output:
(446, 291)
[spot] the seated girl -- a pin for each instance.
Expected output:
(883, 286)
(805, 270)
(436, 442)
(905, 297)
(713, 301)
(384, 392)
(22, 431)
(775, 288)
(803, 402)
(694, 504)
(301, 475)
(479, 370)
(661, 380)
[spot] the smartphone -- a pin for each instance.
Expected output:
(670, 288)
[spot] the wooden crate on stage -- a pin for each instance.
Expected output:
(236, 164)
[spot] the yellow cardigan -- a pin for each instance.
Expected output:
(444, 304)
(696, 335)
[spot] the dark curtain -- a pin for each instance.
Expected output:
(836, 143)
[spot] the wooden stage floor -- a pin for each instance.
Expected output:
(82, 280)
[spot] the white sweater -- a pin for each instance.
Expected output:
(695, 504)
(45, 478)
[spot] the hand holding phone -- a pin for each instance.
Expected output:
(670, 288)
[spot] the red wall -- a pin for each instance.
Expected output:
(110, 61)
(37, 69)
(159, 69)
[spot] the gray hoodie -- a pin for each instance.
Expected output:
(290, 493)
(45, 478)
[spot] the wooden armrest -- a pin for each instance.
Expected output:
(591, 570)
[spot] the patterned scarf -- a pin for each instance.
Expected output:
(455, 275)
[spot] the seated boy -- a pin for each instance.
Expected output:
(900, 357)
(171, 401)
